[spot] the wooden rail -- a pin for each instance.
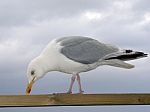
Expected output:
(74, 100)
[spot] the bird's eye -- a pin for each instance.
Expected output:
(32, 72)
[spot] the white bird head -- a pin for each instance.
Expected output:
(34, 72)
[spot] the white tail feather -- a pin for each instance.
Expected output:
(119, 63)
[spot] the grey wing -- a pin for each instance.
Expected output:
(72, 40)
(85, 50)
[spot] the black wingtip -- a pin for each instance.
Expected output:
(128, 51)
(129, 56)
(145, 55)
(141, 54)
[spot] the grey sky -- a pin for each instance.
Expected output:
(27, 26)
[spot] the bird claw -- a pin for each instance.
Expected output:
(69, 92)
(81, 92)
(58, 93)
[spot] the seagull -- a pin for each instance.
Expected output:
(76, 54)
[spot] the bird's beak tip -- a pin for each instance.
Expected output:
(29, 86)
(27, 93)
(28, 89)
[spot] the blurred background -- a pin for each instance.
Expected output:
(26, 27)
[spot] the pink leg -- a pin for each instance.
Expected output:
(71, 84)
(79, 84)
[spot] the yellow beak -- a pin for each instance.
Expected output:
(29, 87)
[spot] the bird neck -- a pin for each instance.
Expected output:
(47, 63)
